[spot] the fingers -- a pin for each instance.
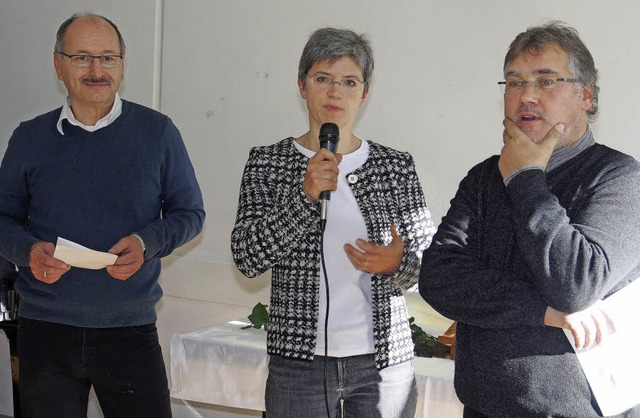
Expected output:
(574, 323)
(587, 332)
(510, 128)
(577, 337)
(130, 258)
(394, 234)
(378, 259)
(555, 134)
(322, 174)
(368, 247)
(43, 265)
(359, 260)
(604, 324)
(48, 269)
(325, 155)
(520, 150)
(123, 271)
(610, 323)
(589, 327)
(512, 132)
(128, 245)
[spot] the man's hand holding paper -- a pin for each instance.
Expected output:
(43, 265)
(48, 262)
(78, 256)
(611, 364)
(131, 257)
(588, 328)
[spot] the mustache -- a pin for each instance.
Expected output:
(529, 108)
(95, 80)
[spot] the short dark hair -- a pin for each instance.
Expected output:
(62, 30)
(332, 44)
(580, 60)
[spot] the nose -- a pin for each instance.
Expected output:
(530, 93)
(95, 66)
(334, 87)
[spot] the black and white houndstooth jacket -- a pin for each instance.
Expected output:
(278, 228)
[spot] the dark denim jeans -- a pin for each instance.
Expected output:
(295, 388)
(59, 364)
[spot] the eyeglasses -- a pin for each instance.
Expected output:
(542, 84)
(347, 85)
(85, 61)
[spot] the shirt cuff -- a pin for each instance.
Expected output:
(144, 248)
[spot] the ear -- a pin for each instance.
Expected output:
(364, 93)
(301, 88)
(57, 64)
(587, 97)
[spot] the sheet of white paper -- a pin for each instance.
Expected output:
(613, 367)
(76, 255)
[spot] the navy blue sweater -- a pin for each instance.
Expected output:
(94, 188)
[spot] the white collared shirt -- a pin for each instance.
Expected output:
(67, 114)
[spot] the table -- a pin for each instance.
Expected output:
(227, 365)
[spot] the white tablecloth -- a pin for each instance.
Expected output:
(227, 365)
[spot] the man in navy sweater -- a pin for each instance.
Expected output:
(113, 176)
(535, 236)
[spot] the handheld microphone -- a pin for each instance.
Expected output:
(329, 137)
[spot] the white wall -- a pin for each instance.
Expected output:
(225, 72)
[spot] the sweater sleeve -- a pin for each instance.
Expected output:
(273, 213)
(578, 255)
(16, 239)
(416, 227)
(458, 283)
(183, 212)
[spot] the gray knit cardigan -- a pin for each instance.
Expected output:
(278, 228)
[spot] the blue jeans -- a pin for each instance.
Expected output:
(59, 364)
(295, 388)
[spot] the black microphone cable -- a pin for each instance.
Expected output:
(329, 137)
(323, 224)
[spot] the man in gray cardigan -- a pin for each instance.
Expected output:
(547, 228)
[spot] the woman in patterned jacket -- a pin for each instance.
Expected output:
(356, 354)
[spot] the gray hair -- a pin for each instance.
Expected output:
(62, 30)
(332, 44)
(580, 60)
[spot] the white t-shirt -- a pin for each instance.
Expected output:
(350, 330)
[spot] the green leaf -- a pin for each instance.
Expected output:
(426, 345)
(259, 316)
